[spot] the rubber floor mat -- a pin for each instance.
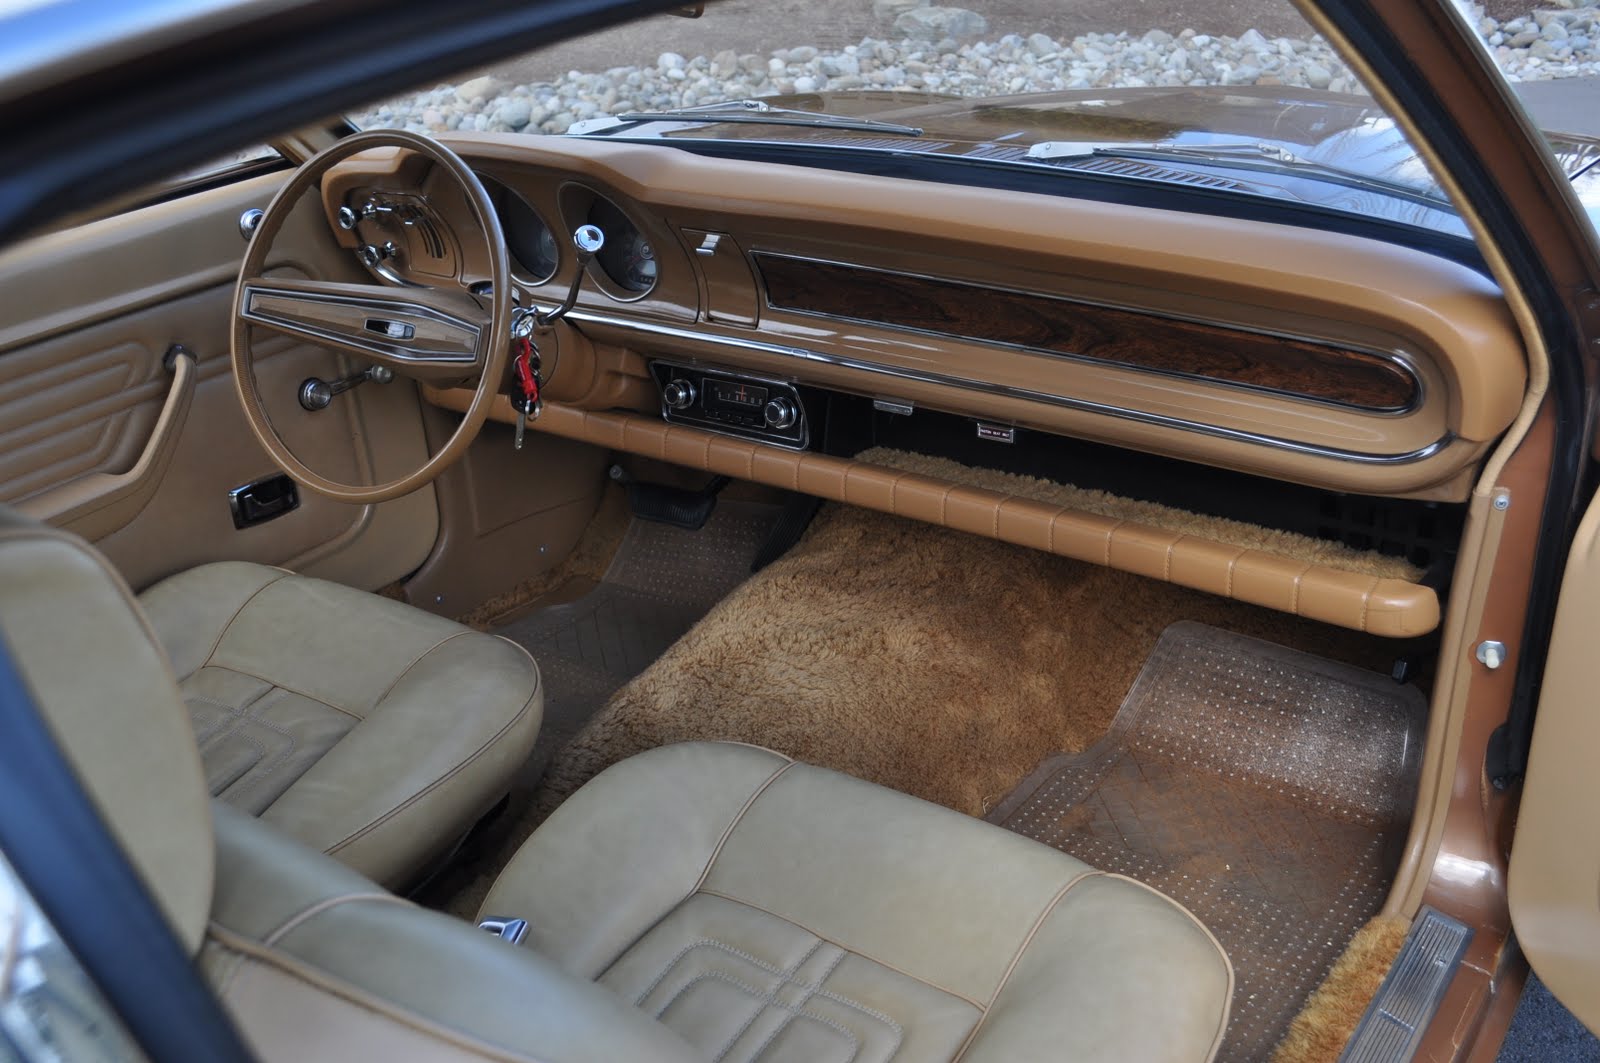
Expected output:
(1265, 789)
(660, 583)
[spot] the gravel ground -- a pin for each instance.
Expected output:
(917, 46)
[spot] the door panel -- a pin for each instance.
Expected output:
(97, 503)
(86, 318)
(1555, 857)
(56, 426)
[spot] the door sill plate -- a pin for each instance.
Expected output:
(1394, 1022)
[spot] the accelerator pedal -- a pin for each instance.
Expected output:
(796, 517)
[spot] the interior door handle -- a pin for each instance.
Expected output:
(98, 504)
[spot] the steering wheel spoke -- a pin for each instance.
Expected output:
(426, 333)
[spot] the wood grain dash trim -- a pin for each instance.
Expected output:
(1133, 339)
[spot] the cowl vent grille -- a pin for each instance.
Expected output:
(1153, 172)
(835, 140)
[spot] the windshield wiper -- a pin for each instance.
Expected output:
(1246, 155)
(754, 112)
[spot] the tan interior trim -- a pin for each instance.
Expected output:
(1288, 544)
(1447, 320)
(1379, 606)
(1479, 544)
(96, 505)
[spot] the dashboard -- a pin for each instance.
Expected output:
(1320, 358)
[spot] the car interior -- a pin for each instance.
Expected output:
(544, 598)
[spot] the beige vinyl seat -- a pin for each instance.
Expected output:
(361, 726)
(769, 910)
(697, 902)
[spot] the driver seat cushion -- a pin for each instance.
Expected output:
(766, 910)
(361, 726)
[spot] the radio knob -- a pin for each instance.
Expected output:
(781, 413)
(679, 394)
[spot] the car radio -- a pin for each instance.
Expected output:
(736, 403)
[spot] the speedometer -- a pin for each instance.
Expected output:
(529, 240)
(628, 258)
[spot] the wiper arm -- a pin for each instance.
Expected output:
(753, 112)
(1245, 155)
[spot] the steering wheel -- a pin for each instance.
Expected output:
(439, 335)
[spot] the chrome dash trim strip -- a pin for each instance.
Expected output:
(1009, 392)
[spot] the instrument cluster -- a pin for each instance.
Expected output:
(405, 238)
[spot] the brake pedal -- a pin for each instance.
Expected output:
(676, 506)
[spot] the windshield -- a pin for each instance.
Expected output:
(1231, 97)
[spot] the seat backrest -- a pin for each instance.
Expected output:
(106, 690)
(315, 962)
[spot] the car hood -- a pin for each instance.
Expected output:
(1302, 120)
(1344, 131)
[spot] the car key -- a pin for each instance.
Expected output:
(528, 404)
(518, 404)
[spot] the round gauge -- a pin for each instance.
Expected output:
(628, 258)
(529, 240)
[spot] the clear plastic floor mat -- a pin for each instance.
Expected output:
(1266, 789)
(660, 583)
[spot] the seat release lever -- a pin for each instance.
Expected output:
(512, 930)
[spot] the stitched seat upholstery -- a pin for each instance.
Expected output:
(721, 903)
(773, 911)
(699, 901)
(364, 727)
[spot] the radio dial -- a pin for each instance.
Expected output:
(781, 413)
(679, 394)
